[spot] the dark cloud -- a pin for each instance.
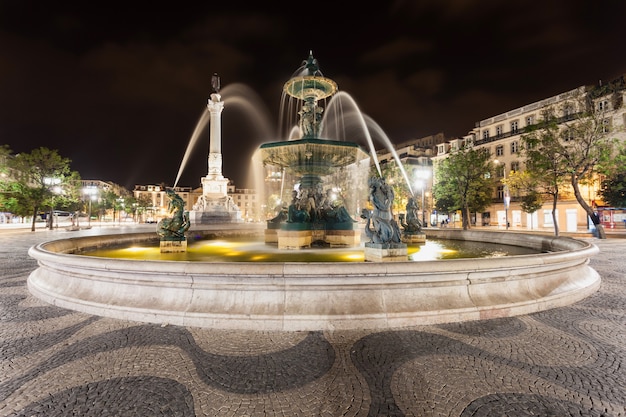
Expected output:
(120, 89)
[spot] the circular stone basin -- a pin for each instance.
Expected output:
(315, 295)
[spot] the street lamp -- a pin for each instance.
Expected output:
(422, 177)
(506, 195)
(91, 193)
(53, 184)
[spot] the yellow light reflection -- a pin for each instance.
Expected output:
(448, 251)
(220, 244)
(135, 249)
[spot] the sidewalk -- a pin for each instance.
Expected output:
(563, 362)
(581, 233)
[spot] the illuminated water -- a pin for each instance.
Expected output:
(245, 250)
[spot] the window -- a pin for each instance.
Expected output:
(515, 166)
(485, 134)
(568, 135)
(568, 111)
(514, 147)
(606, 125)
(514, 127)
(499, 150)
(500, 192)
(530, 120)
(501, 170)
(603, 105)
(499, 131)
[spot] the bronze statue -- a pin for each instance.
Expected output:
(413, 224)
(381, 227)
(174, 228)
(215, 83)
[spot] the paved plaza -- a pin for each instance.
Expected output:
(569, 361)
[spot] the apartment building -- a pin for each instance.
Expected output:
(502, 136)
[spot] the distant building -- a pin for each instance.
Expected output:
(246, 200)
(416, 156)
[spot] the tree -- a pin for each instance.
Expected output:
(46, 180)
(394, 177)
(545, 162)
(613, 187)
(569, 144)
(463, 182)
(613, 190)
(144, 203)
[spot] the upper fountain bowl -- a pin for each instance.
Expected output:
(312, 156)
(309, 87)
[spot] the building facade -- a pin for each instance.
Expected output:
(416, 157)
(246, 200)
(502, 136)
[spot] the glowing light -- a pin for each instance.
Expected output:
(354, 257)
(136, 249)
(220, 244)
(447, 251)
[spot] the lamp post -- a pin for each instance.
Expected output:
(506, 196)
(91, 192)
(54, 185)
(422, 179)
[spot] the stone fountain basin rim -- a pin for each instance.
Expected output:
(319, 295)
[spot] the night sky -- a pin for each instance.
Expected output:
(118, 87)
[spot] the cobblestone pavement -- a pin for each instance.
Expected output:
(569, 361)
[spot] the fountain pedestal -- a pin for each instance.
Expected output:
(411, 238)
(386, 252)
(173, 246)
(298, 239)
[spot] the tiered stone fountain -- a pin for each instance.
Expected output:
(315, 295)
(312, 216)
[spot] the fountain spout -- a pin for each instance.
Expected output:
(310, 87)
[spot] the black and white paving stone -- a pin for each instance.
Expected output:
(568, 361)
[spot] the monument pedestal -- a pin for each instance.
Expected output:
(211, 210)
(173, 246)
(385, 252)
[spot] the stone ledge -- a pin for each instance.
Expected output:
(314, 296)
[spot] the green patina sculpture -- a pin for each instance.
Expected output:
(413, 224)
(174, 228)
(380, 226)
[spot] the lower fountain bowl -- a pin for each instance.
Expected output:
(295, 296)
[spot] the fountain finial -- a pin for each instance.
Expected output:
(311, 65)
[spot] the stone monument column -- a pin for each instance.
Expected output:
(215, 205)
(215, 106)
(214, 185)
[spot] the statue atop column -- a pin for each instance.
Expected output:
(215, 83)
